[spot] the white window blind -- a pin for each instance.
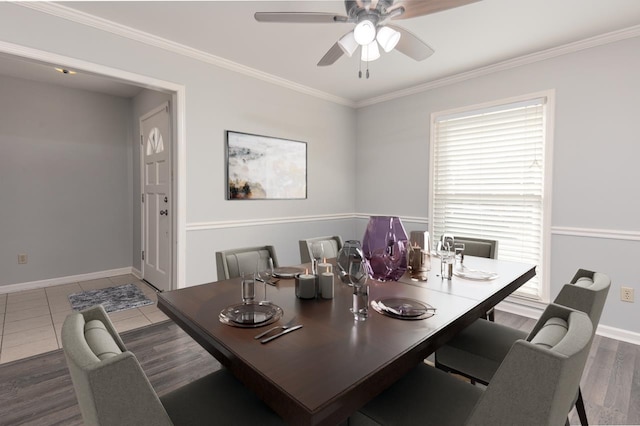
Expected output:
(488, 180)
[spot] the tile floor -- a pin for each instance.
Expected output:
(30, 321)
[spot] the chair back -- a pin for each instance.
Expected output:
(232, 263)
(538, 380)
(109, 383)
(479, 247)
(331, 246)
(587, 293)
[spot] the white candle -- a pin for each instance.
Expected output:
(326, 285)
(325, 267)
(306, 286)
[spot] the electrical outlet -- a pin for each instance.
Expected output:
(22, 259)
(626, 294)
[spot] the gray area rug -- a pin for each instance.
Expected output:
(113, 299)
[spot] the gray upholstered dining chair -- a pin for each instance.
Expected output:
(480, 247)
(477, 351)
(112, 388)
(231, 263)
(331, 246)
(535, 384)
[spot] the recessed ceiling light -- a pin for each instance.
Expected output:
(65, 71)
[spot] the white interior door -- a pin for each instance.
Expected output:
(155, 138)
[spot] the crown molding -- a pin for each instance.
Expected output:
(86, 19)
(149, 39)
(588, 43)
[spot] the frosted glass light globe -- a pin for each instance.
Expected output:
(348, 44)
(388, 38)
(370, 52)
(364, 32)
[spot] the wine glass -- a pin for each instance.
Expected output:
(448, 239)
(317, 251)
(358, 275)
(444, 248)
(264, 272)
(459, 252)
(445, 251)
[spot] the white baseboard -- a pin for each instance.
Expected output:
(136, 273)
(529, 310)
(32, 285)
(618, 334)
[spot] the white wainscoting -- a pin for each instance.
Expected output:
(610, 234)
(226, 224)
(529, 309)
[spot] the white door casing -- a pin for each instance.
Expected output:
(155, 154)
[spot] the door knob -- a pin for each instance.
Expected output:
(164, 212)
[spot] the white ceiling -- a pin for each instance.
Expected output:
(464, 38)
(14, 66)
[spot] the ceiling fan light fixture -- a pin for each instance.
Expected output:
(370, 52)
(364, 32)
(348, 44)
(388, 38)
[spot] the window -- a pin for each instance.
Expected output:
(489, 167)
(155, 144)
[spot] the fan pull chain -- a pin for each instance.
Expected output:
(360, 67)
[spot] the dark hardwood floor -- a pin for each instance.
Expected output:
(38, 390)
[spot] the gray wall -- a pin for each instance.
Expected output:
(595, 152)
(65, 181)
(595, 174)
(216, 100)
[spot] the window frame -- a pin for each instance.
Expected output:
(543, 270)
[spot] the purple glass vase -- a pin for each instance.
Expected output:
(385, 247)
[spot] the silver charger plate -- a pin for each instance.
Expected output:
(250, 315)
(287, 272)
(403, 308)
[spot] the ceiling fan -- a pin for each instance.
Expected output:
(372, 27)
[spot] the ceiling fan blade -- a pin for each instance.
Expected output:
(331, 56)
(354, 5)
(411, 45)
(413, 8)
(299, 17)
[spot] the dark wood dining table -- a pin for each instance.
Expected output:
(322, 373)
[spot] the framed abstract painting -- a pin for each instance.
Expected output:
(265, 168)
